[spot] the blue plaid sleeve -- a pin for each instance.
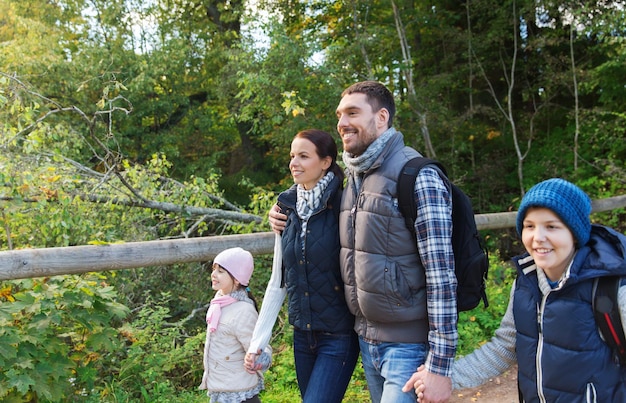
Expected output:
(434, 233)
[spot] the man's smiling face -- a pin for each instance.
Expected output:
(357, 124)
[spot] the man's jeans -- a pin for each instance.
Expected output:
(324, 364)
(388, 366)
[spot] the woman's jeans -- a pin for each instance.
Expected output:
(388, 366)
(324, 364)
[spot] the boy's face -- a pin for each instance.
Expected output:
(548, 240)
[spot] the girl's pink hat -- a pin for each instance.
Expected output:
(238, 262)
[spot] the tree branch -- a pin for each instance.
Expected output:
(174, 208)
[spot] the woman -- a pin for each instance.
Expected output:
(325, 345)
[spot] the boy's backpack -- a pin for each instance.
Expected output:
(606, 312)
(471, 261)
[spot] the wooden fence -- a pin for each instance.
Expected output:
(28, 263)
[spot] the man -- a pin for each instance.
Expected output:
(403, 294)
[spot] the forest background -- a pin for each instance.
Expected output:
(135, 120)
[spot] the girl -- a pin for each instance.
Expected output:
(230, 320)
(549, 326)
(325, 345)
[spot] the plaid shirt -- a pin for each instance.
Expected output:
(434, 232)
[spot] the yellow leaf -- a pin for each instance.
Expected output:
(6, 293)
(97, 242)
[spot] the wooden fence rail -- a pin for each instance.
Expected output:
(28, 263)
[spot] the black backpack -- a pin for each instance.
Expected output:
(606, 312)
(471, 260)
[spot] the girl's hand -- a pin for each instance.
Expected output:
(250, 364)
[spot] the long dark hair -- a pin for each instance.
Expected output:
(325, 146)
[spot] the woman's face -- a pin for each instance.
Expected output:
(221, 280)
(306, 167)
(548, 240)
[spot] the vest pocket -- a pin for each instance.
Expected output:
(389, 298)
(397, 283)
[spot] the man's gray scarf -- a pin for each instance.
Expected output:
(308, 201)
(358, 164)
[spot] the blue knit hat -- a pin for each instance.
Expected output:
(567, 200)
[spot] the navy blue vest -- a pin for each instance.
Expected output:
(560, 353)
(315, 292)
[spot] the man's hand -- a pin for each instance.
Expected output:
(249, 362)
(277, 219)
(429, 387)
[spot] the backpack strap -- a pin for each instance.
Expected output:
(607, 313)
(406, 188)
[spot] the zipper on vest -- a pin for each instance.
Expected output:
(539, 356)
(591, 395)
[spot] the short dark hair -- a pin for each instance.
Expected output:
(324, 147)
(378, 96)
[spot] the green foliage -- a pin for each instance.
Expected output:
(160, 358)
(280, 381)
(56, 335)
(601, 188)
(111, 110)
(477, 326)
(47, 211)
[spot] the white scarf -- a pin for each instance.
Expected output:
(308, 201)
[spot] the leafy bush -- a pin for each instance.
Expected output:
(160, 361)
(477, 326)
(56, 336)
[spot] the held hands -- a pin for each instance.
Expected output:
(250, 364)
(439, 386)
(277, 219)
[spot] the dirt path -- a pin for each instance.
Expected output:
(502, 389)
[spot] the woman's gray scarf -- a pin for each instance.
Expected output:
(308, 201)
(359, 164)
